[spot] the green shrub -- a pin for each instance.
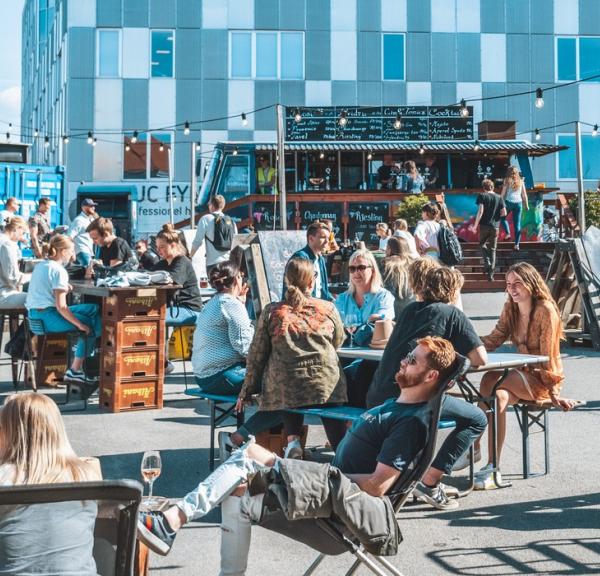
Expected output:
(592, 207)
(411, 208)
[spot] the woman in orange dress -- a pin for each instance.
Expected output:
(530, 319)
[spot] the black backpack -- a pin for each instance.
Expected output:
(224, 230)
(451, 252)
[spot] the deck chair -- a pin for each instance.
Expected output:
(330, 538)
(30, 512)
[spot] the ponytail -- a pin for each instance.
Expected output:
(57, 244)
(298, 277)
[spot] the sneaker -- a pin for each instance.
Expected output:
(169, 367)
(435, 496)
(451, 491)
(294, 450)
(490, 276)
(463, 461)
(484, 479)
(226, 446)
(74, 376)
(154, 531)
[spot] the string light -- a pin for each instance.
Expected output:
(90, 137)
(186, 128)
(370, 155)
(343, 119)
(244, 119)
(161, 148)
(134, 138)
(297, 115)
(464, 111)
(36, 133)
(539, 98)
(127, 147)
(398, 122)
(595, 130)
(65, 139)
(235, 151)
(46, 141)
(94, 142)
(421, 149)
(476, 146)
(322, 155)
(538, 134)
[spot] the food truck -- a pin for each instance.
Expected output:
(349, 165)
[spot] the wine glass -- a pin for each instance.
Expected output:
(151, 468)
(351, 322)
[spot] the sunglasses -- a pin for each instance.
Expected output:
(359, 268)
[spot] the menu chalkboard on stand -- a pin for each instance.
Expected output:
(263, 216)
(362, 219)
(311, 211)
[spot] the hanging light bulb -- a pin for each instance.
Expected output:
(161, 148)
(398, 122)
(539, 98)
(8, 136)
(322, 155)
(94, 142)
(244, 119)
(464, 110)
(127, 147)
(134, 138)
(538, 134)
(36, 133)
(235, 151)
(65, 139)
(186, 128)
(476, 147)
(595, 130)
(370, 155)
(297, 115)
(421, 149)
(343, 119)
(46, 141)
(90, 137)
(198, 145)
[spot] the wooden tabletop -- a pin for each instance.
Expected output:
(88, 288)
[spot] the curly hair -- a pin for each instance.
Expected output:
(417, 273)
(442, 284)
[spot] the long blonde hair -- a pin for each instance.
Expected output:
(513, 178)
(33, 439)
(299, 275)
(395, 265)
(376, 281)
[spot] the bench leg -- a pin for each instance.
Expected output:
(527, 419)
(546, 442)
(525, 439)
(211, 458)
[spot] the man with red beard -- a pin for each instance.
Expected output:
(374, 453)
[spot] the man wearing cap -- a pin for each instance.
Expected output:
(84, 247)
(11, 207)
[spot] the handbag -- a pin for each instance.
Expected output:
(16, 346)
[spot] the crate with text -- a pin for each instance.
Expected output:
(134, 304)
(120, 364)
(131, 394)
(136, 333)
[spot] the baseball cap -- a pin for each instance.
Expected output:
(88, 202)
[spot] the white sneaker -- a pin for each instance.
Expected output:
(294, 450)
(484, 479)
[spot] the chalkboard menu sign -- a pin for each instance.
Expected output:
(277, 248)
(311, 211)
(363, 217)
(377, 124)
(262, 215)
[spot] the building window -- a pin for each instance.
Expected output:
(135, 159)
(160, 144)
(108, 53)
(162, 53)
(276, 55)
(590, 152)
(577, 58)
(393, 58)
(148, 157)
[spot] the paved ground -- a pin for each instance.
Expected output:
(545, 525)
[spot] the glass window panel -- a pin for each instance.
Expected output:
(160, 142)
(162, 53)
(108, 53)
(234, 181)
(266, 55)
(393, 57)
(241, 55)
(566, 158)
(292, 55)
(566, 58)
(589, 58)
(134, 159)
(590, 153)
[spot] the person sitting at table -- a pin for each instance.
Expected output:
(401, 231)
(383, 233)
(35, 449)
(414, 183)
(531, 320)
(11, 278)
(317, 239)
(147, 257)
(394, 272)
(114, 251)
(433, 315)
(373, 455)
(223, 334)
(47, 301)
(426, 232)
(293, 363)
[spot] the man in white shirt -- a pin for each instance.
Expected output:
(11, 207)
(84, 247)
(215, 251)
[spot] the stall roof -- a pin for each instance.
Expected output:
(439, 146)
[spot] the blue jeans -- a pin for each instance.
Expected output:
(181, 316)
(470, 424)
(516, 208)
(84, 259)
(88, 314)
(228, 382)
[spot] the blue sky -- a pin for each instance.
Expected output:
(10, 63)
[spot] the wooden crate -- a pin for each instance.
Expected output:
(131, 394)
(134, 333)
(131, 363)
(133, 304)
(51, 364)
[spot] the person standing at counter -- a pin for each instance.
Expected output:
(47, 301)
(11, 279)
(414, 183)
(388, 172)
(515, 197)
(432, 172)
(84, 247)
(317, 239)
(114, 251)
(266, 177)
(11, 207)
(490, 210)
(39, 227)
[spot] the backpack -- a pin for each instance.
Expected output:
(223, 239)
(451, 252)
